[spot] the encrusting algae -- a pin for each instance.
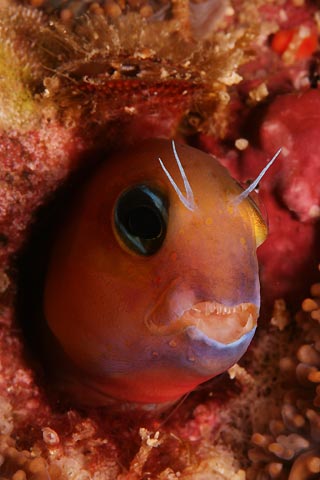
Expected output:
(71, 90)
(67, 90)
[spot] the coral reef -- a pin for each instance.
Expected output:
(74, 92)
(290, 446)
(232, 91)
(291, 193)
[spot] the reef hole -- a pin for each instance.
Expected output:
(32, 262)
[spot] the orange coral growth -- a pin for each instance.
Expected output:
(305, 44)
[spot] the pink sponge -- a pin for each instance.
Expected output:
(290, 191)
(293, 122)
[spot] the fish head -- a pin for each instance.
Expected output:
(147, 296)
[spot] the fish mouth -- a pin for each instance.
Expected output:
(221, 323)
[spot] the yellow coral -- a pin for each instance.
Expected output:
(19, 68)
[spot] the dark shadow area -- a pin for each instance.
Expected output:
(32, 262)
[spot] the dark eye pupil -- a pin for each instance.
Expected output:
(145, 222)
(140, 218)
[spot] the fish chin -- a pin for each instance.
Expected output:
(218, 322)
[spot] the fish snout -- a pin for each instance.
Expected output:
(221, 323)
(179, 307)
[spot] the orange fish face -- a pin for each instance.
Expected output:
(146, 296)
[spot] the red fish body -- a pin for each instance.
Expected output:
(145, 297)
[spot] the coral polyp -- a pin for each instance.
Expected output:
(290, 444)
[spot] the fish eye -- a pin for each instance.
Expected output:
(140, 219)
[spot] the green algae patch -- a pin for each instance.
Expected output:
(19, 110)
(21, 68)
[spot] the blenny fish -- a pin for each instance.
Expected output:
(153, 287)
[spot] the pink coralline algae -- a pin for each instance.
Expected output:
(292, 122)
(290, 191)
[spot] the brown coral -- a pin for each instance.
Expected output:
(67, 92)
(290, 446)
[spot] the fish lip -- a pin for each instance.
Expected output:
(196, 335)
(220, 323)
